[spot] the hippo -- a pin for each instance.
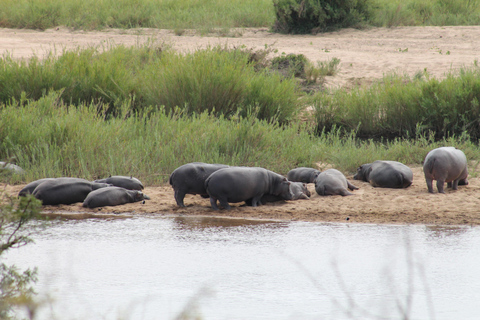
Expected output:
(113, 196)
(65, 191)
(332, 182)
(125, 182)
(445, 164)
(237, 184)
(28, 189)
(10, 168)
(190, 179)
(299, 190)
(303, 174)
(385, 174)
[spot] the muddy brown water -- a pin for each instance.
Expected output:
(156, 268)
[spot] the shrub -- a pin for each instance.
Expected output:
(312, 16)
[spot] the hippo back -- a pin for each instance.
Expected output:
(125, 182)
(64, 191)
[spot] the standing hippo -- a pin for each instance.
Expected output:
(299, 190)
(125, 182)
(237, 184)
(303, 174)
(332, 182)
(65, 191)
(385, 174)
(445, 164)
(113, 196)
(190, 179)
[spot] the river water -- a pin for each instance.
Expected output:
(157, 268)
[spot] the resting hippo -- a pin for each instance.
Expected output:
(28, 189)
(129, 183)
(445, 164)
(190, 179)
(237, 184)
(385, 174)
(11, 168)
(112, 196)
(332, 182)
(303, 174)
(299, 190)
(65, 191)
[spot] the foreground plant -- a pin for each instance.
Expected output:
(15, 232)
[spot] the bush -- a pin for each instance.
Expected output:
(312, 16)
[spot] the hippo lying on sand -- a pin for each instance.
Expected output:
(299, 190)
(28, 189)
(65, 191)
(385, 174)
(113, 196)
(190, 179)
(303, 174)
(332, 182)
(445, 164)
(130, 183)
(237, 184)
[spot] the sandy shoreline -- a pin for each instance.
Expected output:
(413, 205)
(366, 55)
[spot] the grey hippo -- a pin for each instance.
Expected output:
(126, 182)
(332, 182)
(445, 164)
(237, 184)
(190, 179)
(385, 174)
(65, 191)
(303, 174)
(113, 196)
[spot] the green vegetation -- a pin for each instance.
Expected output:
(217, 79)
(294, 16)
(15, 231)
(404, 107)
(202, 15)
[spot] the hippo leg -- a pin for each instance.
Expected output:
(449, 185)
(257, 201)
(429, 185)
(345, 192)
(455, 184)
(351, 186)
(213, 202)
(440, 185)
(179, 196)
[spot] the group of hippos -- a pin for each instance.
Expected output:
(255, 186)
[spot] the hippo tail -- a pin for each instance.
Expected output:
(170, 179)
(429, 165)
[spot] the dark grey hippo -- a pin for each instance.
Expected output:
(125, 182)
(65, 191)
(28, 189)
(113, 196)
(445, 164)
(299, 190)
(385, 174)
(190, 179)
(303, 174)
(237, 184)
(332, 182)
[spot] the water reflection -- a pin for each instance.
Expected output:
(256, 269)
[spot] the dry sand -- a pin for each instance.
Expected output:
(366, 55)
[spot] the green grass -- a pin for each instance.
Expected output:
(49, 138)
(164, 14)
(215, 79)
(404, 107)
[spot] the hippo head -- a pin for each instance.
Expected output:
(283, 190)
(363, 172)
(139, 196)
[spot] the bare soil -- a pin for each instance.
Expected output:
(366, 55)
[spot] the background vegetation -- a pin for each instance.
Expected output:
(207, 15)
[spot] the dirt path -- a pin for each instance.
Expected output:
(365, 57)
